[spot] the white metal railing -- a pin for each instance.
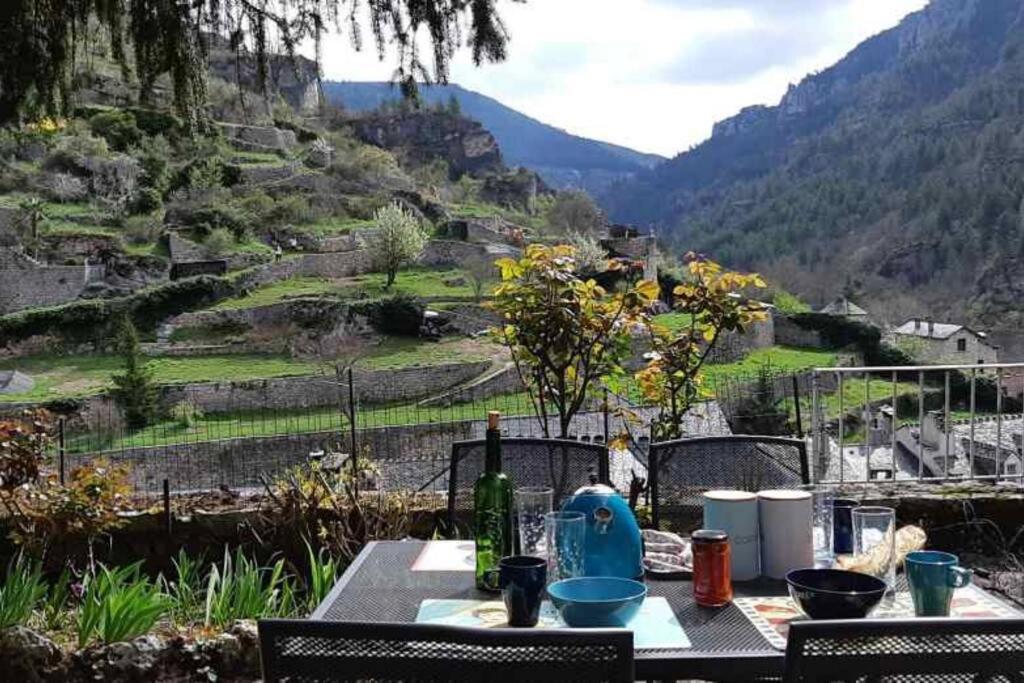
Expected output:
(921, 450)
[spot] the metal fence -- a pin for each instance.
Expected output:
(918, 423)
(234, 435)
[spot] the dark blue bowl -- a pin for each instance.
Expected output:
(596, 601)
(835, 593)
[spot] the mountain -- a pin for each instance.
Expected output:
(897, 174)
(563, 160)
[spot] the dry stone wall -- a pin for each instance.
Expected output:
(24, 283)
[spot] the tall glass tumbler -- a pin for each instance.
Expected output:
(564, 534)
(821, 526)
(874, 542)
(531, 504)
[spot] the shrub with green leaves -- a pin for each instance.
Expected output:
(22, 590)
(118, 605)
(117, 127)
(218, 243)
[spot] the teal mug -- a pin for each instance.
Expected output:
(933, 576)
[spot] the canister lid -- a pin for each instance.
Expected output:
(729, 495)
(783, 494)
(708, 536)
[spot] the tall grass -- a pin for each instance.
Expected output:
(119, 604)
(323, 572)
(21, 591)
(241, 589)
(186, 589)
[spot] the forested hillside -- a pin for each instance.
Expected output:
(896, 174)
(562, 159)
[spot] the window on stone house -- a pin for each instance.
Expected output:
(1011, 468)
(961, 344)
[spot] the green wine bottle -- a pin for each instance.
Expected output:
(492, 511)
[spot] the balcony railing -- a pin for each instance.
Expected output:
(920, 423)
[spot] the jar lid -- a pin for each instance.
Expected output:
(708, 536)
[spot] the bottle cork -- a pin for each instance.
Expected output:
(493, 418)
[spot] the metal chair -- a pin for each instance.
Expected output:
(331, 651)
(680, 471)
(906, 650)
(562, 465)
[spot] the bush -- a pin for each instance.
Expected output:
(64, 187)
(293, 208)
(185, 414)
(142, 230)
(154, 122)
(119, 605)
(154, 154)
(118, 128)
(258, 205)
(399, 315)
(208, 218)
(218, 243)
(147, 200)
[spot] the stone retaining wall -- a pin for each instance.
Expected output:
(24, 283)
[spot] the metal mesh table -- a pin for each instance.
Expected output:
(380, 587)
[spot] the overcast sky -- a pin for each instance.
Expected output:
(657, 75)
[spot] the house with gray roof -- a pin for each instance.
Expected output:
(844, 308)
(944, 343)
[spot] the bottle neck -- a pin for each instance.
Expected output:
(492, 462)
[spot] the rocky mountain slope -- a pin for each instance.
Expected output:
(897, 173)
(562, 159)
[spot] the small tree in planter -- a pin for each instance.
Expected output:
(712, 299)
(563, 332)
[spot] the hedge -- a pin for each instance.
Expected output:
(90, 320)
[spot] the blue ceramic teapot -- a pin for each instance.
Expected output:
(612, 545)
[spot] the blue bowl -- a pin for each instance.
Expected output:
(596, 601)
(835, 593)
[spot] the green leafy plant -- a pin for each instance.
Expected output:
(21, 591)
(118, 605)
(241, 589)
(55, 602)
(187, 602)
(323, 572)
(564, 333)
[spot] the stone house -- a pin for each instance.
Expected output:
(844, 308)
(945, 343)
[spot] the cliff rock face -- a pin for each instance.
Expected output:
(896, 171)
(423, 136)
(294, 79)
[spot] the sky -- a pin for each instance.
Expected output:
(654, 75)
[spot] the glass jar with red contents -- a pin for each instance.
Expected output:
(712, 580)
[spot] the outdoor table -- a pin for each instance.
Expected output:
(380, 586)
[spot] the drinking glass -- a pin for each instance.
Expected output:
(821, 526)
(564, 533)
(874, 536)
(532, 503)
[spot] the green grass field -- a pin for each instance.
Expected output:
(75, 376)
(422, 282)
(254, 423)
(401, 352)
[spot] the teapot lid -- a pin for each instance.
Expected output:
(594, 488)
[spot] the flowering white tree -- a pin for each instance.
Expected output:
(398, 239)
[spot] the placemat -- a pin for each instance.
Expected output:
(771, 615)
(655, 626)
(446, 556)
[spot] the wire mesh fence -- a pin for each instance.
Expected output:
(235, 435)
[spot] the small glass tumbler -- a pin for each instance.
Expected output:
(564, 533)
(821, 526)
(532, 503)
(874, 542)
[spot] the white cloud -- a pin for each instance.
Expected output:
(655, 76)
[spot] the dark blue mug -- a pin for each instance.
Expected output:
(522, 579)
(842, 525)
(933, 576)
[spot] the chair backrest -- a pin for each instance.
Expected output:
(906, 650)
(563, 465)
(680, 471)
(305, 650)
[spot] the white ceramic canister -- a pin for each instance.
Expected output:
(735, 513)
(787, 540)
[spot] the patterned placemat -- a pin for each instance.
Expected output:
(771, 615)
(655, 626)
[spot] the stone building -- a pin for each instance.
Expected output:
(844, 308)
(944, 343)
